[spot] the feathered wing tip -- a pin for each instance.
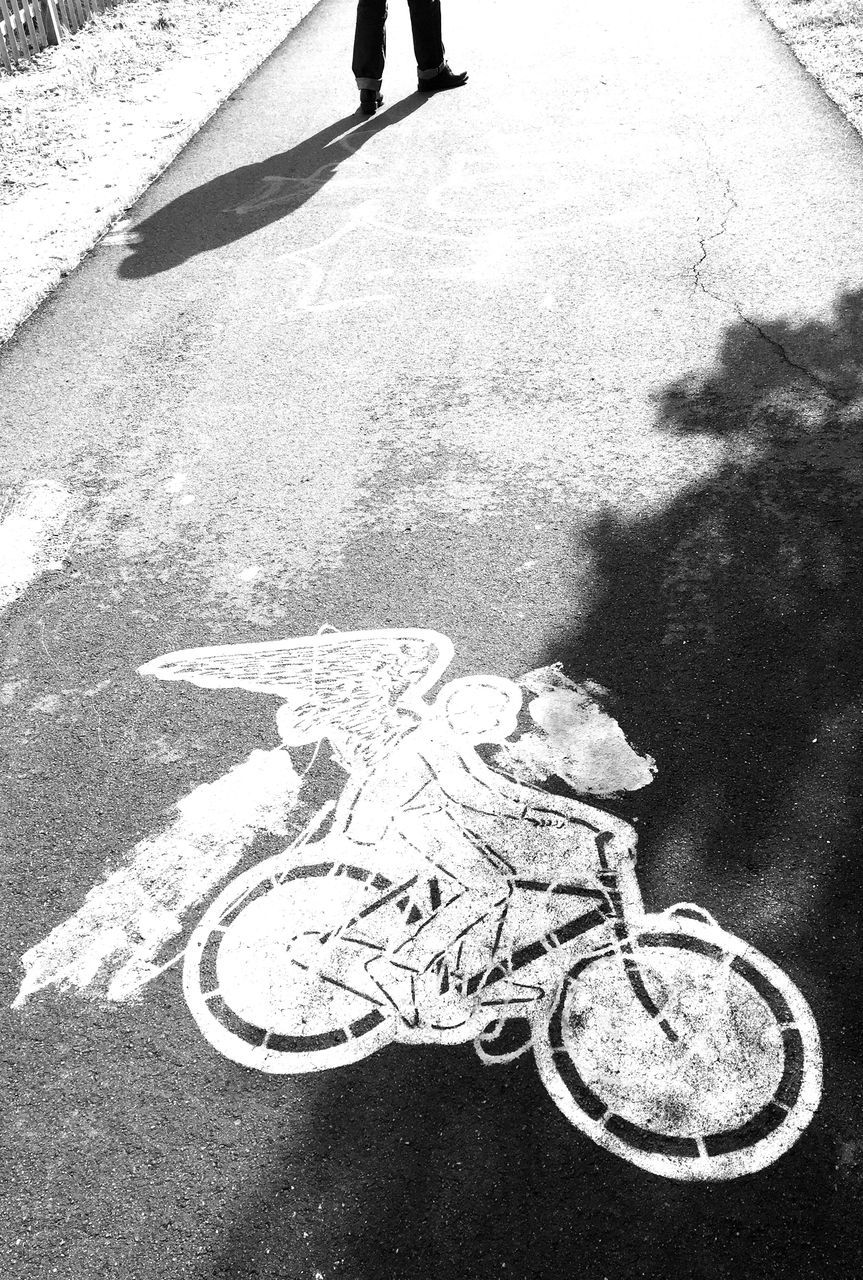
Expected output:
(344, 684)
(185, 665)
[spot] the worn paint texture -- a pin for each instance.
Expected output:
(450, 901)
(36, 531)
(128, 919)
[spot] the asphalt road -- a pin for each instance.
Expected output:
(565, 365)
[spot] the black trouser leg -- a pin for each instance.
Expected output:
(428, 43)
(370, 43)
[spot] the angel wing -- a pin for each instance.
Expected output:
(348, 686)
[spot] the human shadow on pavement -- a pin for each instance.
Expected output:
(730, 628)
(238, 203)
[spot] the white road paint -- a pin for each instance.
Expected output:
(447, 894)
(482, 253)
(364, 217)
(575, 739)
(450, 892)
(729, 1096)
(309, 295)
(37, 527)
(127, 920)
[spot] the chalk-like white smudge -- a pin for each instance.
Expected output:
(279, 190)
(126, 920)
(123, 233)
(363, 215)
(36, 531)
(578, 740)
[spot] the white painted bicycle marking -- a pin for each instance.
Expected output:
(452, 897)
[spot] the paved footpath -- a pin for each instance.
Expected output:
(565, 365)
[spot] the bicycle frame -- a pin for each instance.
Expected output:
(619, 906)
(618, 909)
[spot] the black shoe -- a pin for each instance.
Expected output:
(370, 100)
(445, 79)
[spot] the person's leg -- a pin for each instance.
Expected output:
(428, 44)
(412, 966)
(370, 44)
(433, 73)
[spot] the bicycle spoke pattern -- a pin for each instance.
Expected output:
(275, 975)
(727, 1096)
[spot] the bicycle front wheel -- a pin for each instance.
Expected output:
(268, 977)
(714, 1073)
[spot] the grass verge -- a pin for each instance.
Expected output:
(827, 37)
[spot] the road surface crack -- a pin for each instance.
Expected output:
(704, 241)
(698, 270)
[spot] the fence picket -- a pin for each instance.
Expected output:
(41, 35)
(28, 26)
(19, 28)
(32, 35)
(5, 53)
(68, 17)
(52, 21)
(40, 7)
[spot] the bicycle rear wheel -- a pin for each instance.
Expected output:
(269, 980)
(719, 1080)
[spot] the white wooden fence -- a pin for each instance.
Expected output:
(26, 26)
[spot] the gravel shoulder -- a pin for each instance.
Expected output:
(87, 126)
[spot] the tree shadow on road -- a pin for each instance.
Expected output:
(730, 627)
(238, 203)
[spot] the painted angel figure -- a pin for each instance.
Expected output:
(454, 897)
(419, 792)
